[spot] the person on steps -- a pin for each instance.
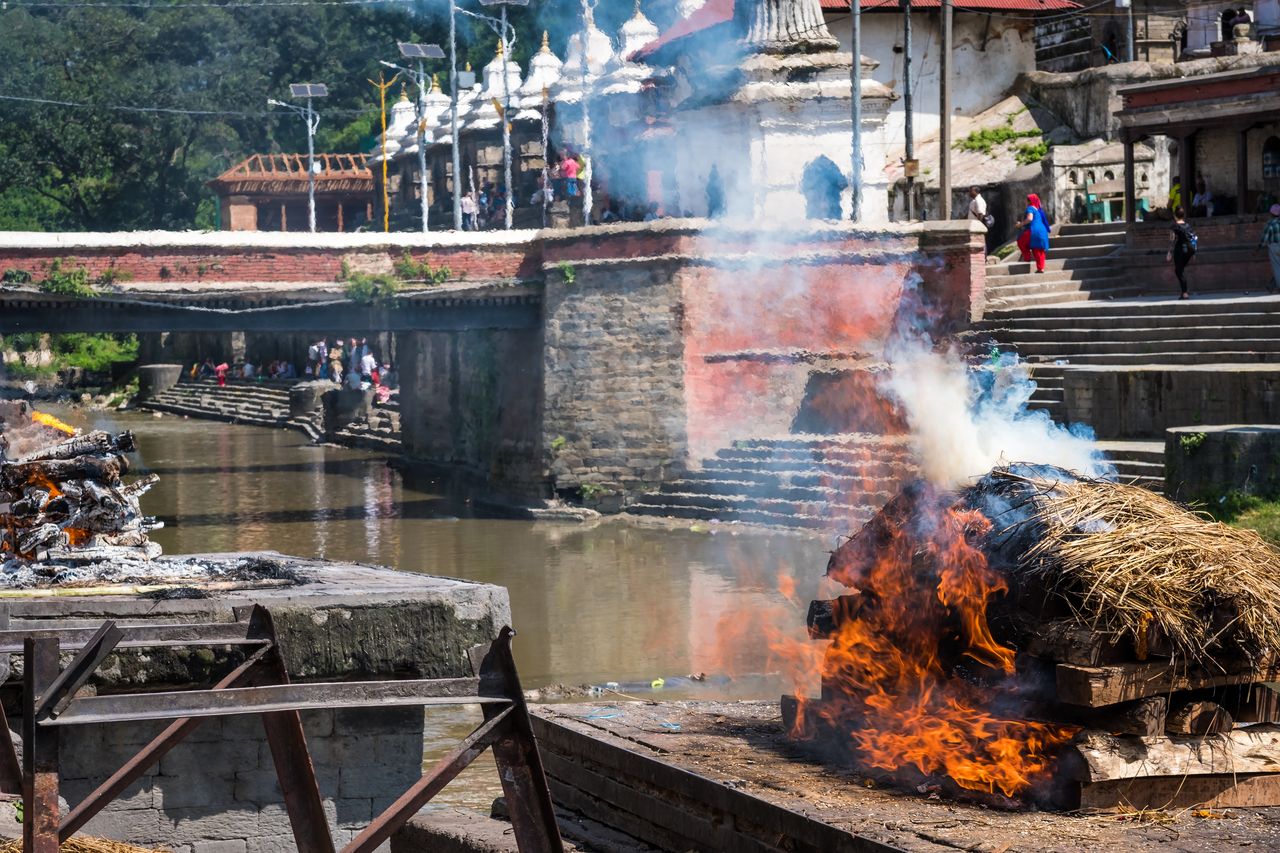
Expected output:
(1036, 227)
(1183, 249)
(1271, 239)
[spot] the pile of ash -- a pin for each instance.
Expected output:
(187, 577)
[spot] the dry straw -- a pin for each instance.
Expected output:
(1128, 559)
(83, 844)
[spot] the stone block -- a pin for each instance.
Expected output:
(139, 795)
(271, 844)
(224, 758)
(228, 846)
(134, 826)
(1203, 463)
(193, 790)
(257, 787)
(306, 397)
(155, 379)
(204, 824)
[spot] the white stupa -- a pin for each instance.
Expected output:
(599, 50)
(494, 93)
(622, 76)
(685, 8)
(545, 69)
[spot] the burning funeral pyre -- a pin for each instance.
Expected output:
(1041, 638)
(61, 493)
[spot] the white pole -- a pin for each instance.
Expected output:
(855, 93)
(506, 122)
(311, 167)
(453, 94)
(588, 21)
(422, 143)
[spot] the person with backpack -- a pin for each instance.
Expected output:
(1271, 240)
(1185, 244)
(1036, 231)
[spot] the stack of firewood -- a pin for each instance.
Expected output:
(66, 501)
(1153, 630)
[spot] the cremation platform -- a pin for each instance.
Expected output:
(724, 776)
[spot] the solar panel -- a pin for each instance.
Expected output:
(409, 50)
(308, 90)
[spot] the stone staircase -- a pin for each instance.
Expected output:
(818, 482)
(263, 403)
(266, 404)
(1081, 267)
(1135, 334)
(380, 432)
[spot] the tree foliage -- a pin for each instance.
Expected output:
(100, 168)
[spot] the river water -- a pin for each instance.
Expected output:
(611, 602)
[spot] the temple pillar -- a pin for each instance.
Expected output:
(1130, 182)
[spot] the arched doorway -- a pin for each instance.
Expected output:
(822, 184)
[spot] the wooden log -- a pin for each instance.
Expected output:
(1255, 749)
(105, 468)
(1254, 703)
(1068, 641)
(1096, 686)
(1199, 718)
(1141, 717)
(98, 442)
(1178, 792)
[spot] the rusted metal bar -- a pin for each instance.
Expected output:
(147, 757)
(269, 699)
(58, 695)
(294, 769)
(444, 771)
(39, 751)
(137, 636)
(533, 817)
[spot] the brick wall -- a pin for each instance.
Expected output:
(1226, 261)
(229, 262)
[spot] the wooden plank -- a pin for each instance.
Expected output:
(1177, 792)
(1255, 749)
(617, 758)
(1096, 686)
(1199, 718)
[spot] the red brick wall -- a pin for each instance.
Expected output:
(1226, 260)
(241, 264)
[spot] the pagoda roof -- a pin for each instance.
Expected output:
(286, 174)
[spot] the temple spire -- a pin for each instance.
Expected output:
(783, 26)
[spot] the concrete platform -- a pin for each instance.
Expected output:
(723, 776)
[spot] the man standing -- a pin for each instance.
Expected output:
(978, 213)
(1271, 239)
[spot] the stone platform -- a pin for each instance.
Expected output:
(216, 792)
(723, 776)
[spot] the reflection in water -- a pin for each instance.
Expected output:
(592, 604)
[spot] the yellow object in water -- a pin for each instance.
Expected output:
(657, 684)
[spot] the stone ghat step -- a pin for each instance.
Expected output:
(263, 395)
(861, 469)
(222, 401)
(886, 478)
(211, 414)
(732, 490)
(996, 283)
(1170, 306)
(1116, 228)
(1017, 267)
(1075, 239)
(844, 519)
(855, 441)
(1018, 286)
(1021, 337)
(1224, 358)
(1151, 349)
(1100, 295)
(1137, 451)
(850, 454)
(1090, 322)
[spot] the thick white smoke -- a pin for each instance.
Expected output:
(965, 421)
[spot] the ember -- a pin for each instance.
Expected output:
(998, 637)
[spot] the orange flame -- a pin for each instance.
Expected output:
(50, 421)
(889, 672)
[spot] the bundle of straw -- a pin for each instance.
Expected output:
(1127, 558)
(84, 844)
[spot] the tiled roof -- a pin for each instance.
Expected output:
(287, 173)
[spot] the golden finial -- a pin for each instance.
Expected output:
(404, 96)
(546, 45)
(435, 84)
(468, 68)
(500, 47)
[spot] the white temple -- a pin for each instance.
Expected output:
(769, 111)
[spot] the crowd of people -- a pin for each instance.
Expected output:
(350, 363)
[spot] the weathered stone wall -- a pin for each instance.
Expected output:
(1207, 462)
(474, 400)
(1120, 402)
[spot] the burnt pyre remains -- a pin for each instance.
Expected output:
(62, 496)
(1043, 638)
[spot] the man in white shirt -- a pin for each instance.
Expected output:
(368, 364)
(977, 207)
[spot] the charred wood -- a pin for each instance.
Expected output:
(98, 442)
(1199, 718)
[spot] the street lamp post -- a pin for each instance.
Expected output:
(420, 52)
(312, 118)
(453, 97)
(507, 45)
